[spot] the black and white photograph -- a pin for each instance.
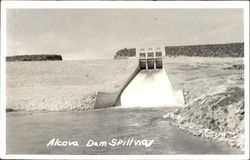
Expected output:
(124, 81)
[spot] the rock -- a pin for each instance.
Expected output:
(9, 110)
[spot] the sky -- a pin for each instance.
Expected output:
(79, 34)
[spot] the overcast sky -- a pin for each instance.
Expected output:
(99, 33)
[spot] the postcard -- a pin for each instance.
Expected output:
(141, 80)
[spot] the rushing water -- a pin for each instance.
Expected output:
(30, 132)
(149, 88)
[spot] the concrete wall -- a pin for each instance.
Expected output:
(180, 98)
(111, 99)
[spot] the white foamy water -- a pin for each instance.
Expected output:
(149, 88)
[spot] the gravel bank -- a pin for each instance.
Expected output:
(55, 104)
(63, 85)
(219, 116)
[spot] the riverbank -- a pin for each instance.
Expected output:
(214, 95)
(218, 116)
(72, 85)
(30, 132)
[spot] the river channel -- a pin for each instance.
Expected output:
(30, 132)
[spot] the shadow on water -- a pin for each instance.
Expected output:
(30, 133)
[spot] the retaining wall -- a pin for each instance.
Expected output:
(111, 99)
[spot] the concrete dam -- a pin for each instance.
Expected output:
(148, 86)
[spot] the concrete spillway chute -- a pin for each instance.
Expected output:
(148, 86)
(151, 86)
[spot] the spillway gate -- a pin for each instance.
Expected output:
(150, 59)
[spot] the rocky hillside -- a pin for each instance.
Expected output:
(42, 57)
(219, 116)
(124, 53)
(213, 89)
(211, 50)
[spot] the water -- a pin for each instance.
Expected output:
(149, 88)
(29, 133)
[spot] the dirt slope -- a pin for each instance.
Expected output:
(65, 85)
(71, 85)
(214, 94)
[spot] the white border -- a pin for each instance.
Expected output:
(121, 4)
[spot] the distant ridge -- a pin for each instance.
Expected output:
(209, 50)
(125, 53)
(206, 50)
(41, 57)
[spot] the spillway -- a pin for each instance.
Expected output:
(149, 88)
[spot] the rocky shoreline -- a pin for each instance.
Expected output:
(199, 130)
(219, 117)
(56, 105)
